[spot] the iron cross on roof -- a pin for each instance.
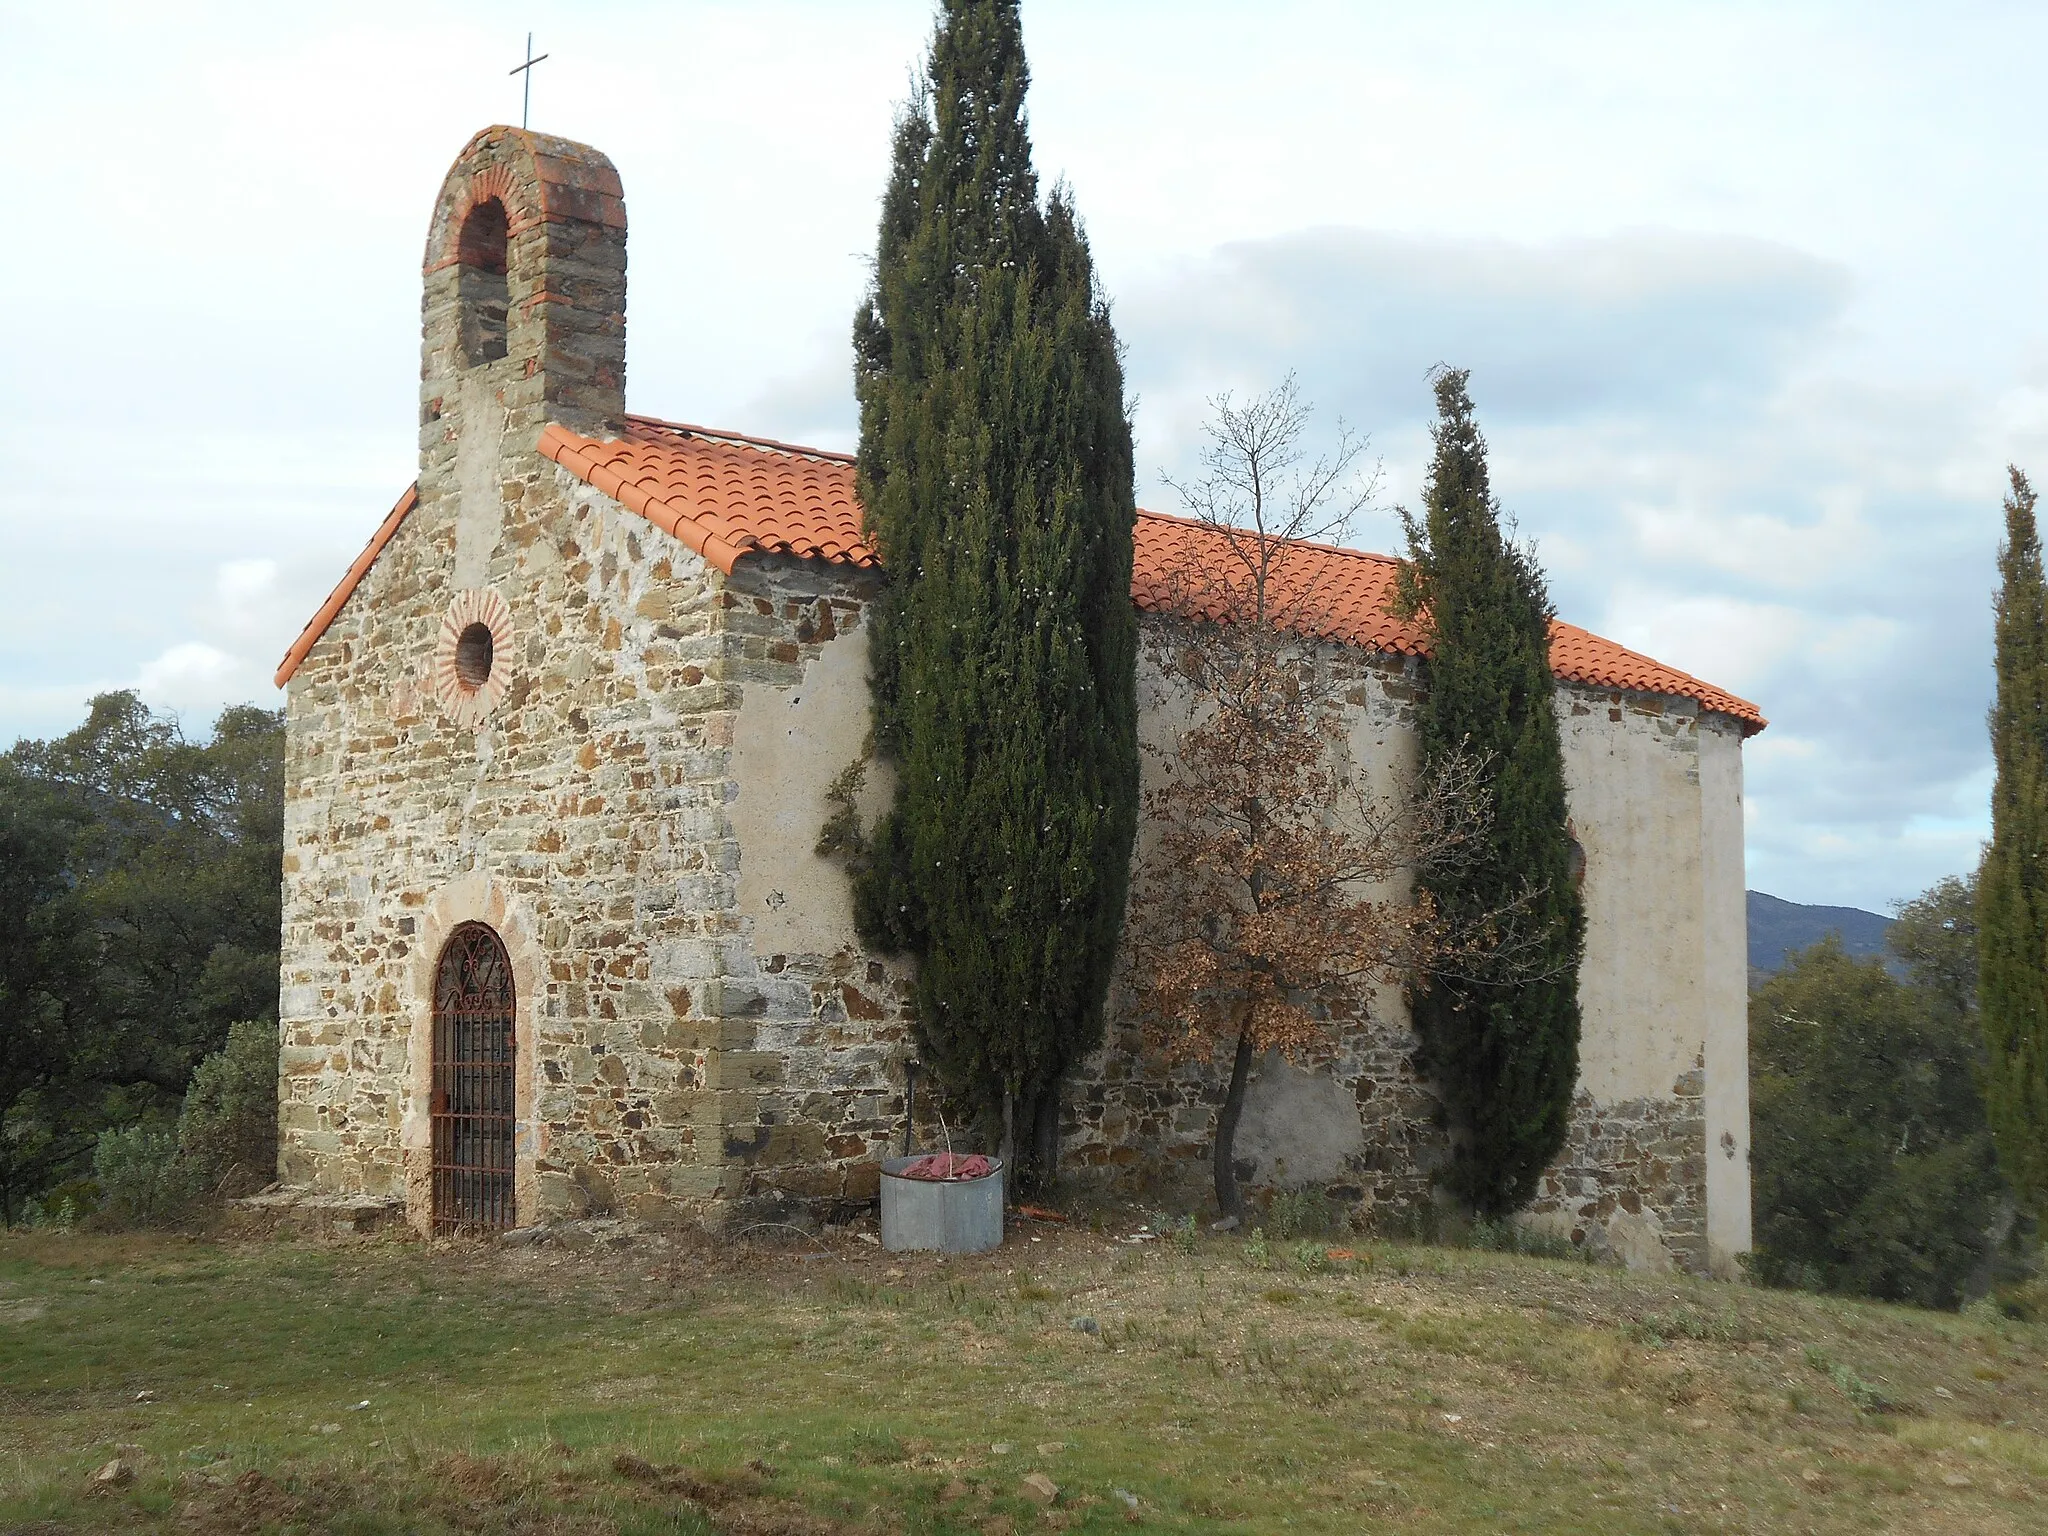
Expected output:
(526, 96)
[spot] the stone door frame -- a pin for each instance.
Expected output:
(473, 898)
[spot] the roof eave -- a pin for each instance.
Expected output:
(325, 615)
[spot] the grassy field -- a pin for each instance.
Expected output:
(380, 1385)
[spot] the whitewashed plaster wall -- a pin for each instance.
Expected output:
(1725, 938)
(790, 742)
(1654, 792)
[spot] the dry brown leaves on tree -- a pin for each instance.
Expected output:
(1275, 882)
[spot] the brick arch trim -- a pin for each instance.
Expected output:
(464, 703)
(490, 185)
(539, 178)
(472, 898)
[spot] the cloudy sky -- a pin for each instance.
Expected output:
(1752, 296)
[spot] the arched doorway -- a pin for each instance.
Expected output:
(474, 1116)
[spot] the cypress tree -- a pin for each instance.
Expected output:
(1502, 1048)
(2012, 887)
(995, 471)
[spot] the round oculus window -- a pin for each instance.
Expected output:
(473, 650)
(470, 656)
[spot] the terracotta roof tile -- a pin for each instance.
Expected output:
(1347, 595)
(721, 493)
(1335, 594)
(725, 493)
(1584, 657)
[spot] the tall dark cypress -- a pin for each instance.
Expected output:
(996, 475)
(1502, 1045)
(2012, 887)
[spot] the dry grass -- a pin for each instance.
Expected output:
(375, 1386)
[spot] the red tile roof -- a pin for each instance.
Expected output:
(1333, 593)
(1347, 595)
(724, 493)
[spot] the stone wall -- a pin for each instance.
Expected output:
(681, 1062)
(1356, 1120)
(710, 1039)
(826, 1027)
(1631, 1181)
(573, 794)
(1358, 1124)
(584, 818)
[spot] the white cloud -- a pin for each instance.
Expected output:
(1638, 321)
(243, 584)
(1754, 546)
(185, 667)
(812, 404)
(1751, 292)
(1712, 473)
(1736, 643)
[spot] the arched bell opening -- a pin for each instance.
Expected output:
(480, 253)
(475, 1059)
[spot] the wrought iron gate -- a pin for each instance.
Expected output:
(473, 1082)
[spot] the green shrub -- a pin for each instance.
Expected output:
(1873, 1165)
(65, 1205)
(1765, 1268)
(1311, 1258)
(1302, 1213)
(1420, 1222)
(1541, 1243)
(142, 1180)
(1507, 1235)
(1860, 1392)
(2023, 1301)
(1490, 1236)
(227, 1132)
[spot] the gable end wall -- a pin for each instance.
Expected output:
(587, 809)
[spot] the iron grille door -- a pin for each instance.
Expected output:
(473, 1061)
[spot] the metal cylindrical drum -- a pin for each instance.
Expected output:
(948, 1215)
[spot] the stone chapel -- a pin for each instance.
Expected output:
(556, 940)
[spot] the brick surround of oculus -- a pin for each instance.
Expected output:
(556, 940)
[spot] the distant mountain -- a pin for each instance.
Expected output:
(1778, 929)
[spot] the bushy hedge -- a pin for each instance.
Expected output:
(223, 1144)
(142, 1180)
(227, 1131)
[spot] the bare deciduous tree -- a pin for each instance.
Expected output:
(1274, 880)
